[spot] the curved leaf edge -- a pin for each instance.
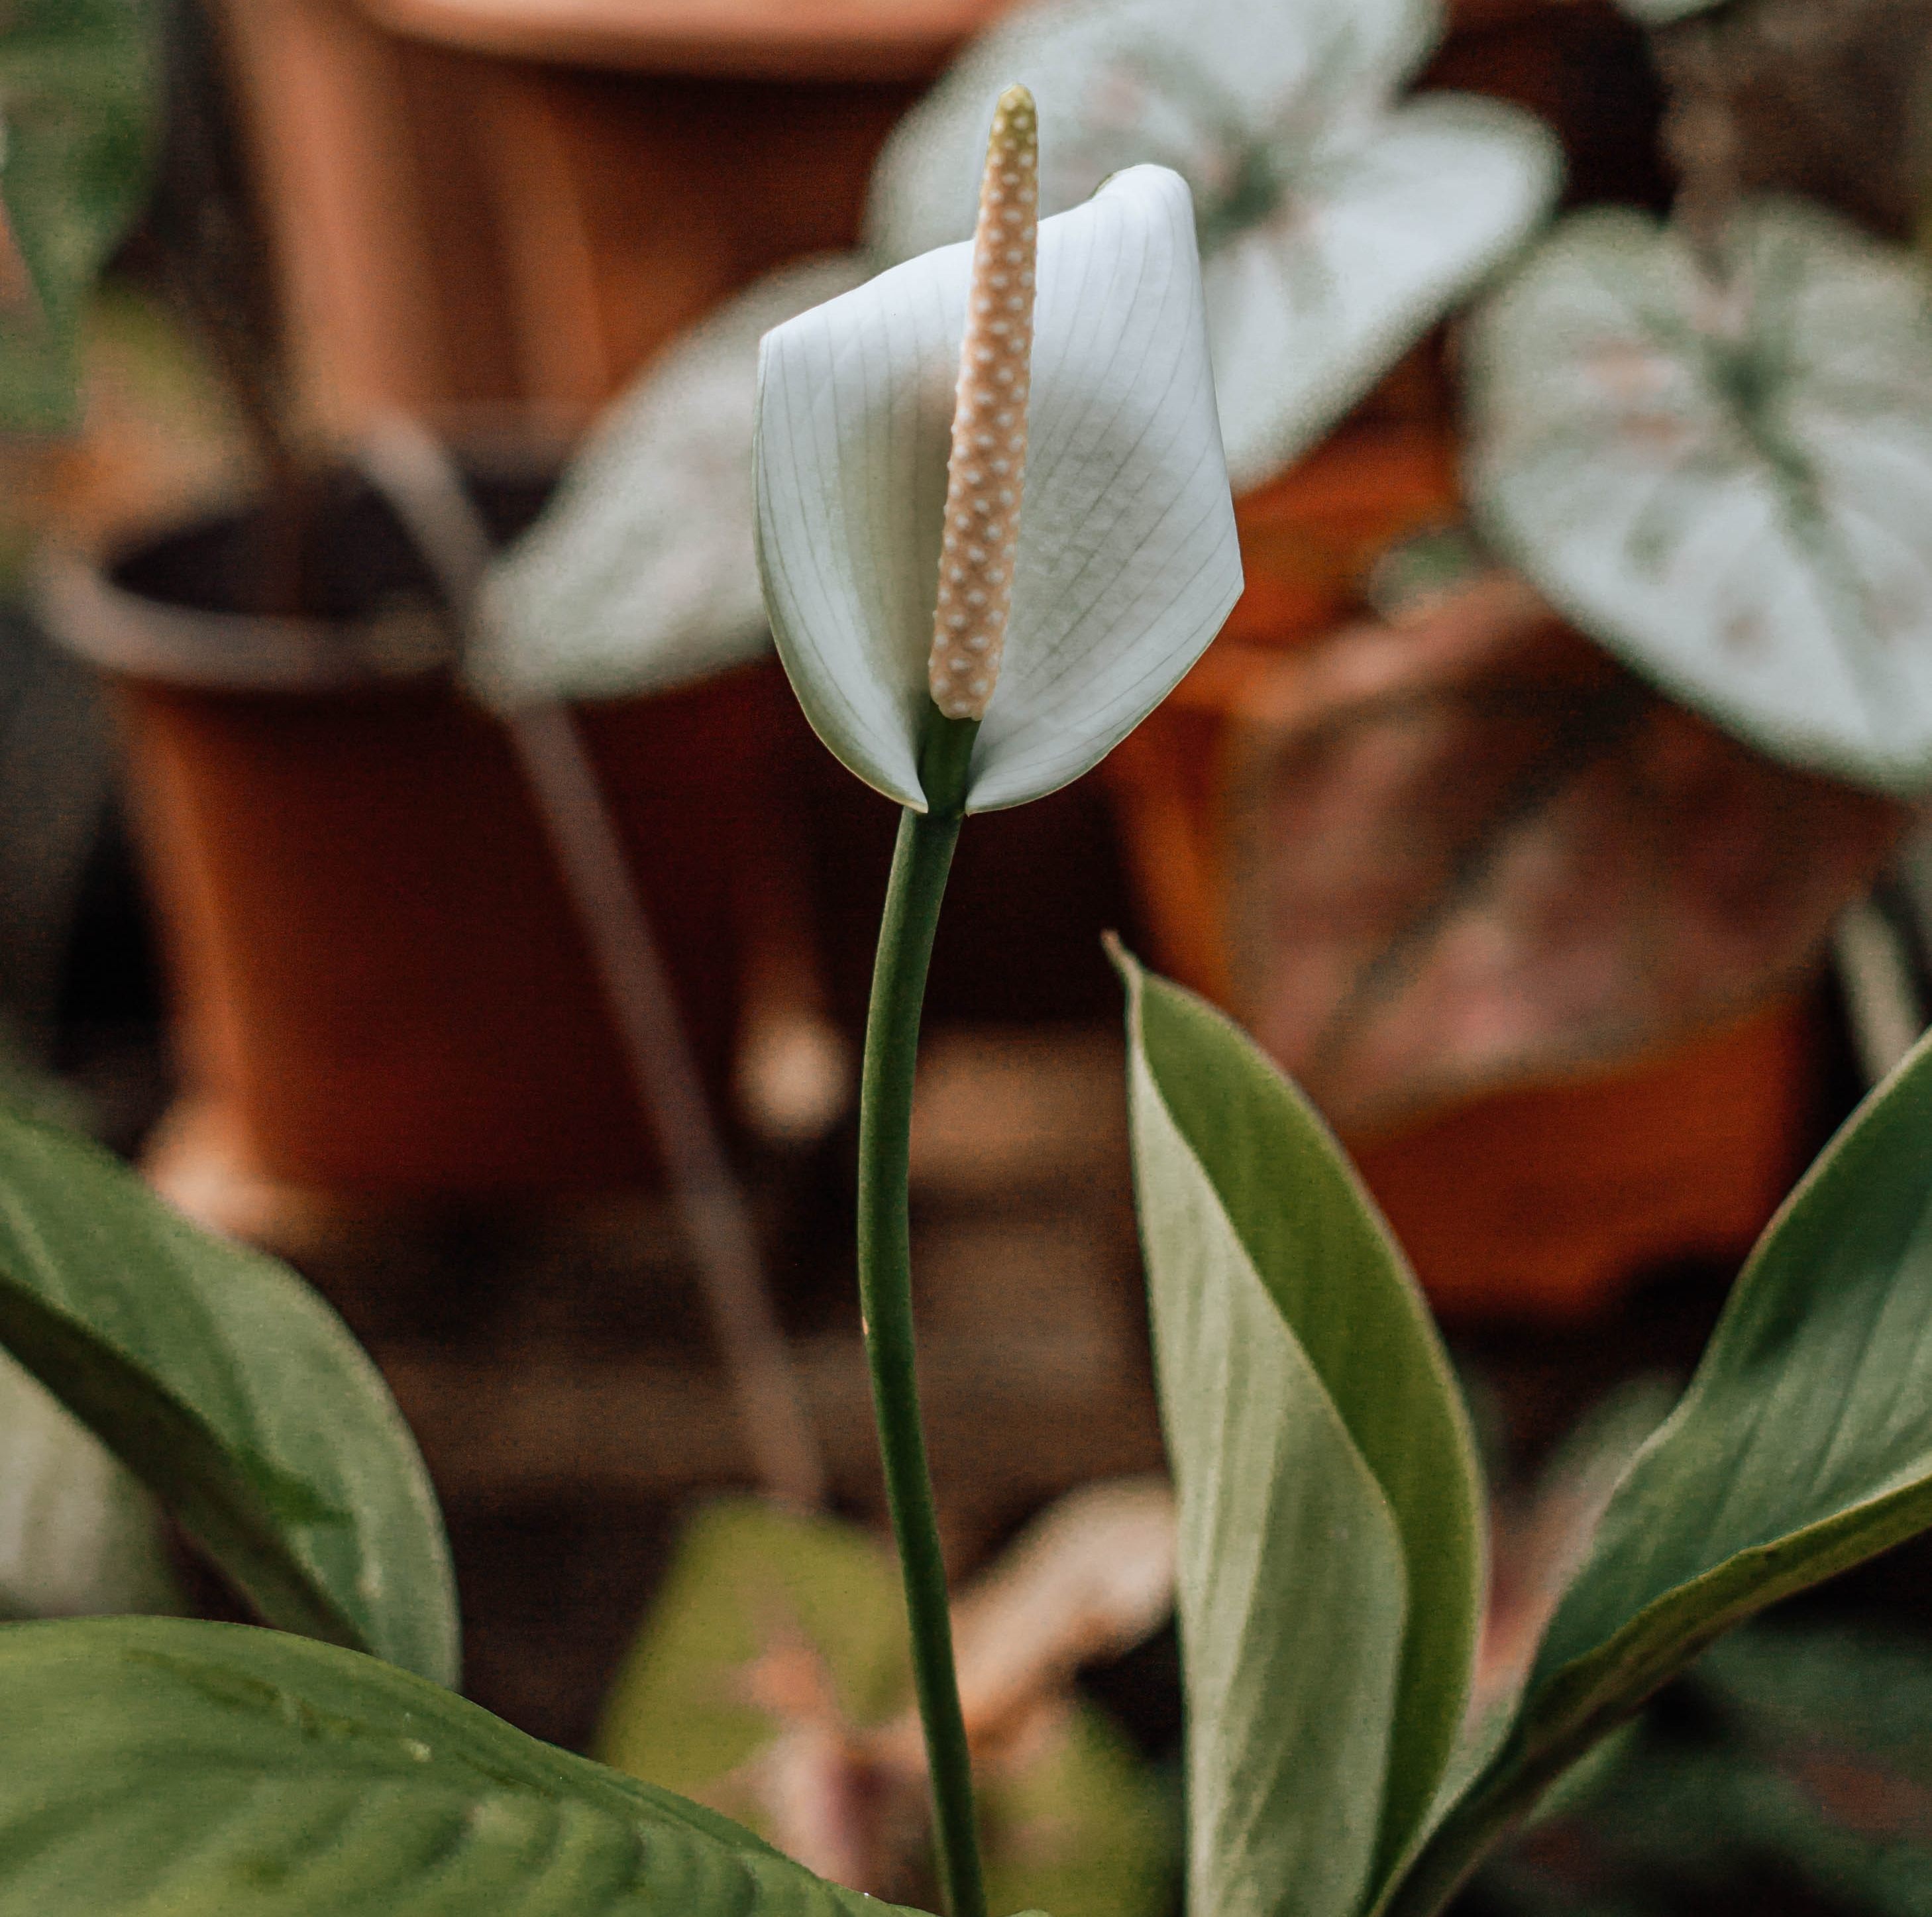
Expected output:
(1906, 776)
(33, 1330)
(1562, 1713)
(1403, 1824)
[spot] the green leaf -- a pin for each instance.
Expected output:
(1070, 1818)
(1331, 1565)
(153, 1766)
(232, 1392)
(1803, 1447)
(1335, 229)
(1731, 489)
(79, 87)
(79, 1537)
(642, 574)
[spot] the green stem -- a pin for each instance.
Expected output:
(920, 862)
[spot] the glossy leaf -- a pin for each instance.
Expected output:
(1804, 1446)
(79, 1537)
(1334, 233)
(1127, 563)
(232, 1392)
(1732, 490)
(159, 1765)
(641, 574)
(1331, 1564)
(79, 82)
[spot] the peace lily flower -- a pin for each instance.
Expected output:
(1335, 226)
(1086, 528)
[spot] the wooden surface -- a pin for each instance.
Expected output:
(794, 39)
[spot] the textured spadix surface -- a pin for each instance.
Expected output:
(1127, 561)
(640, 575)
(1731, 489)
(1334, 230)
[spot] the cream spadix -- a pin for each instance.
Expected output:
(1126, 563)
(985, 472)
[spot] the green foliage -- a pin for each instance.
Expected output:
(158, 1765)
(1076, 1824)
(232, 1392)
(1726, 487)
(1803, 1447)
(1330, 1545)
(79, 86)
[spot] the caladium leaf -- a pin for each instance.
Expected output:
(232, 1392)
(163, 1765)
(1731, 489)
(1332, 232)
(1330, 1555)
(1127, 562)
(79, 81)
(1803, 1446)
(641, 574)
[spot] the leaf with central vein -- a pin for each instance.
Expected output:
(152, 1767)
(1331, 1556)
(233, 1393)
(1803, 1447)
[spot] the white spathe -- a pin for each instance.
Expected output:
(1128, 563)
(639, 576)
(1732, 489)
(1335, 228)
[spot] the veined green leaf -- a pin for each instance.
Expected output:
(79, 83)
(1803, 1447)
(79, 1537)
(1334, 230)
(1730, 487)
(152, 1767)
(232, 1392)
(1331, 1565)
(642, 573)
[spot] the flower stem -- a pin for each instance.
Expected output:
(920, 863)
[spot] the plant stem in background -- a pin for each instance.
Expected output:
(920, 863)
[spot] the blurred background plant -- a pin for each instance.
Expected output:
(1548, 805)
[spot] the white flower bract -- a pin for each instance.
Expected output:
(1127, 562)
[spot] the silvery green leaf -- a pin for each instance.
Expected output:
(79, 1537)
(641, 575)
(1333, 233)
(1128, 561)
(1732, 490)
(1216, 89)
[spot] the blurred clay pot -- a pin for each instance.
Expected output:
(379, 987)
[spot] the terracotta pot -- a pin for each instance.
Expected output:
(1650, 1125)
(379, 985)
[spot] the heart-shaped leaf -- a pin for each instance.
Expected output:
(1803, 1446)
(1333, 233)
(1730, 487)
(158, 1765)
(1331, 1564)
(1127, 561)
(78, 85)
(641, 574)
(232, 1392)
